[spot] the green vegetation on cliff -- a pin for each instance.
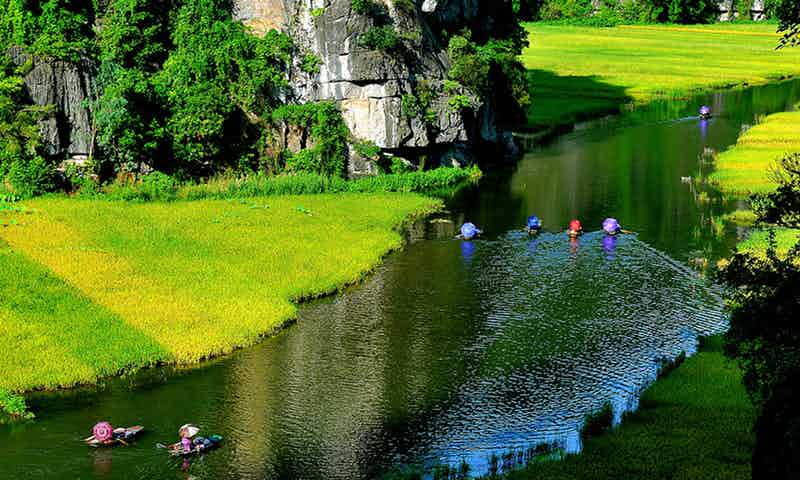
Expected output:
(91, 288)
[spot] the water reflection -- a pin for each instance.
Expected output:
(467, 250)
(610, 246)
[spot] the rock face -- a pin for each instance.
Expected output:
(67, 87)
(369, 85)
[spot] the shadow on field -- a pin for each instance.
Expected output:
(560, 101)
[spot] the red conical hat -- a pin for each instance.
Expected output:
(575, 226)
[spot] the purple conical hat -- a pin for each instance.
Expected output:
(611, 226)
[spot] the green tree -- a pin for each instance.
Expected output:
(134, 43)
(789, 16)
(218, 82)
(55, 28)
(764, 334)
(22, 164)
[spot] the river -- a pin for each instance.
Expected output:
(452, 352)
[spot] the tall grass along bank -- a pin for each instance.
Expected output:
(577, 72)
(693, 423)
(750, 167)
(91, 288)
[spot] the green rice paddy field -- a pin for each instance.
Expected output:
(747, 167)
(579, 72)
(93, 287)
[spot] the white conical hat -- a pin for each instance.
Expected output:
(188, 430)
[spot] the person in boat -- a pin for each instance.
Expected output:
(103, 432)
(534, 225)
(187, 432)
(611, 226)
(469, 231)
(705, 112)
(575, 229)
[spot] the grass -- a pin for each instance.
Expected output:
(747, 167)
(583, 71)
(91, 287)
(758, 241)
(441, 181)
(693, 423)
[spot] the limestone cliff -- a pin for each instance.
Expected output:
(369, 85)
(67, 87)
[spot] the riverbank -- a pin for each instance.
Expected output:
(747, 167)
(578, 73)
(693, 423)
(92, 288)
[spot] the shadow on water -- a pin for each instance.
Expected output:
(452, 352)
(562, 100)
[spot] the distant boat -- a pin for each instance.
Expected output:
(705, 112)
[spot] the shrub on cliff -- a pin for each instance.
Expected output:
(22, 165)
(326, 152)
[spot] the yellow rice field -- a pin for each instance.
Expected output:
(92, 287)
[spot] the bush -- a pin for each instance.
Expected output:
(379, 38)
(13, 407)
(328, 152)
(154, 187)
(561, 9)
(31, 177)
(614, 12)
(21, 163)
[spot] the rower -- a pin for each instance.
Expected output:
(469, 231)
(533, 226)
(575, 229)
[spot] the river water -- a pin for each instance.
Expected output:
(453, 351)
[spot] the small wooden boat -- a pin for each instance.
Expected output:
(200, 445)
(574, 233)
(120, 436)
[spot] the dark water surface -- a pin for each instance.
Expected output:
(452, 351)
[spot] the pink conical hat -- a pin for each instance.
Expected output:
(103, 431)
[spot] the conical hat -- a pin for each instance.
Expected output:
(188, 430)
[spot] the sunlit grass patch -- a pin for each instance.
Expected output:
(133, 284)
(744, 218)
(758, 241)
(642, 63)
(52, 335)
(748, 166)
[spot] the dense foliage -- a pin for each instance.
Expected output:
(157, 186)
(22, 163)
(327, 152)
(181, 88)
(55, 28)
(612, 12)
(765, 332)
(789, 15)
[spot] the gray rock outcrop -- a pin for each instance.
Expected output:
(67, 87)
(369, 85)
